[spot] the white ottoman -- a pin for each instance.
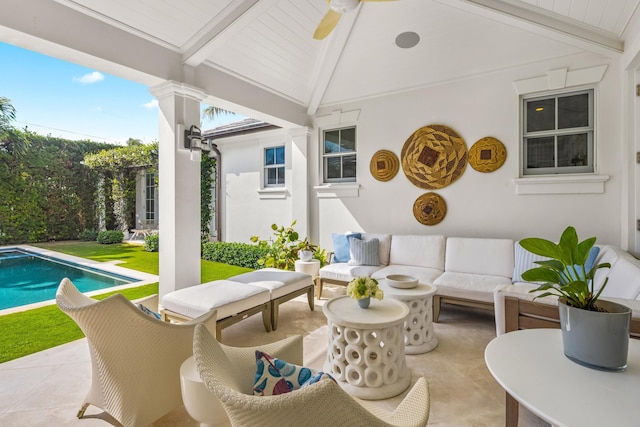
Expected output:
(282, 286)
(234, 301)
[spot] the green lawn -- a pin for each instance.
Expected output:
(34, 330)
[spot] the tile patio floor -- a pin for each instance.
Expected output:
(47, 388)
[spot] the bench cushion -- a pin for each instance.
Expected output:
(345, 273)
(228, 297)
(478, 287)
(278, 282)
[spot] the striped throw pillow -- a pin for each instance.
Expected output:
(364, 252)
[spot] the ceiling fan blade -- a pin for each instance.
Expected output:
(328, 23)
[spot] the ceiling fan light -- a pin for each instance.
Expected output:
(407, 39)
(343, 6)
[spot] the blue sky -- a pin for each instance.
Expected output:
(66, 100)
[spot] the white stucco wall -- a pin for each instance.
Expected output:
(244, 212)
(479, 204)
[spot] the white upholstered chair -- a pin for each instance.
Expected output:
(135, 358)
(228, 373)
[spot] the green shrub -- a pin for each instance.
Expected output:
(88, 235)
(107, 237)
(240, 254)
(151, 243)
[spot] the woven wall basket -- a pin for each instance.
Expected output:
(429, 209)
(433, 157)
(384, 165)
(487, 154)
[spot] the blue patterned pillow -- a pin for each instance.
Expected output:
(364, 252)
(149, 312)
(274, 376)
(341, 246)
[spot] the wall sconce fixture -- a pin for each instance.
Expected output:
(193, 142)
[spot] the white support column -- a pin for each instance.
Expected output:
(178, 187)
(299, 138)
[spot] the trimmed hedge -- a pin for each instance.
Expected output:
(152, 243)
(88, 235)
(107, 237)
(240, 254)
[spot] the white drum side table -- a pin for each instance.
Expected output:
(311, 267)
(366, 347)
(419, 336)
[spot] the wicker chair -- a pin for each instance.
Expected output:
(228, 373)
(135, 358)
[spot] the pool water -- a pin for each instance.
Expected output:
(26, 277)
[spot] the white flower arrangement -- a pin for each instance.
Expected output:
(364, 287)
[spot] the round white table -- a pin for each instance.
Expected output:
(419, 336)
(532, 368)
(366, 347)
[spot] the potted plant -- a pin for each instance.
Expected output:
(362, 289)
(595, 332)
(306, 250)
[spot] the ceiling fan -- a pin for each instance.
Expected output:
(333, 15)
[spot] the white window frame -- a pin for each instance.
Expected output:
(326, 156)
(590, 130)
(276, 166)
(150, 196)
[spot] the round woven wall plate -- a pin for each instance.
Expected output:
(487, 154)
(429, 209)
(433, 157)
(384, 165)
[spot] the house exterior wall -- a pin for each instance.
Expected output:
(479, 204)
(246, 209)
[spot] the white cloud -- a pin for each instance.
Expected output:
(89, 78)
(151, 104)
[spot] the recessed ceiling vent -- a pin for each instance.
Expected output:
(407, 40)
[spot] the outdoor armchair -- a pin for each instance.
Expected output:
(228, 373)
(135, 358)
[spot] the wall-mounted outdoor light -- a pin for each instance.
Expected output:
(193, 142)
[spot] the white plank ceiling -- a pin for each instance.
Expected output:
(269, 43)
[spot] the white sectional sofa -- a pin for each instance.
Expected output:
(515, 307)
(479, 272)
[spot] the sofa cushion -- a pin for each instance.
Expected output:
(608, 254)
(345, 272)
(492, 257)
(363, 252)
(479, 287)
(341, 246)
(423, 274)
(384, 245)
(418, 250)
(624, 279)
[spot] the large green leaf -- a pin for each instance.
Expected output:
(540, 247)
(541, 274)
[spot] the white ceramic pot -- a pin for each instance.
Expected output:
(305, 255)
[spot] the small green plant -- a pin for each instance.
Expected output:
(282, 250)
(152, 242)
(565, 274)
(107, 237)
(88, 235)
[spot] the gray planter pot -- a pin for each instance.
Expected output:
(598, 340)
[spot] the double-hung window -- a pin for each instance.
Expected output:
(150, 196)
(274, 166)
(558, 133)
(339, 155)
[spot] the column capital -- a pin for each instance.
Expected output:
(172, 88)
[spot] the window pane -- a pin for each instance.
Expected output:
(573, 111)
(573, 150)
(540, 152)
(349, 166)
(348, 140)
(332, 141)
(333, 168)
(271, 176)
(280, 176)
(279, 155)
(541, 115)
(269, 156)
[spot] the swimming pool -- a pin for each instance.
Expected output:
(27, 277)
